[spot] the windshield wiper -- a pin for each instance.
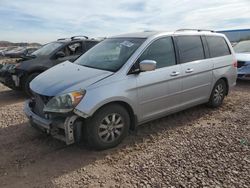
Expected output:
(97, 68)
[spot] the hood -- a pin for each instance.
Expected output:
(26, 57)
(243, 56)
(66, 77)
(26, 61)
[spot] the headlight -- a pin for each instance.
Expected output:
(64, 103)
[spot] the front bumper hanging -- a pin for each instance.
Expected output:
(52, 127)
(8, 77)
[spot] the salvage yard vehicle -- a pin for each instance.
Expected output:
(18, 76)
(19, 52)
(128, 80)
(3, 50)
(242, 50)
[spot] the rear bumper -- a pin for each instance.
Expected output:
(244, 77)
(244, 73)
(61, 129)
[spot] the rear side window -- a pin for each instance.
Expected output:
(162, 51)
(217, 46)
(190, 48)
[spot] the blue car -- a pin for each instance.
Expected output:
(242, 50)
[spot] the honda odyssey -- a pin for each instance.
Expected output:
(128, 80)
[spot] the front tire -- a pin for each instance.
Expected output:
(218, 94)
(108, 127)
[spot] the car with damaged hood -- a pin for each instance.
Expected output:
(18, 75)
(128, 80)
(242, 50)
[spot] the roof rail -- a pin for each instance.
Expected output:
(74, 37)
(199, 30)
(62, 39)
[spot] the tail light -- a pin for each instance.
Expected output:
(235, 63)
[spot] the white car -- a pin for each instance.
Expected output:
(242, 50)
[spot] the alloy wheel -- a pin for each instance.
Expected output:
(111, 127)
(218, 93)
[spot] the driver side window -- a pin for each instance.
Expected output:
(72, 49)
(162, 51)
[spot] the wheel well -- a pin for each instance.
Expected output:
(226, 81)
(35, 71)
(25, 76)
(133, 117)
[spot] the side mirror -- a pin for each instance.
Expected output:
(147, 65)
(60, 54)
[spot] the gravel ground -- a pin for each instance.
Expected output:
(199, 147)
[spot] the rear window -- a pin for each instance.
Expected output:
(190, 48)
(217, 46)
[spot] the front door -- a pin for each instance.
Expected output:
(159, 90)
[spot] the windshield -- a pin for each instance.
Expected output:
(242, 47)
(47, 49)
(111, 54)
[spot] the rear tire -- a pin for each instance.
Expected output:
(108, 127)
(26, 83)
(218, 94)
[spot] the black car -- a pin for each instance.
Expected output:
(18, 75)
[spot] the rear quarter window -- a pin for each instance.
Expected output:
(190, 48)
(217, 46)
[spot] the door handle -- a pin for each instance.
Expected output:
(174, 73)
(189, 70)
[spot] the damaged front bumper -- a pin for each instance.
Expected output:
(60, 128)
(9, 77)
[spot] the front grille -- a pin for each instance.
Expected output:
(40, 102)
(241, 64)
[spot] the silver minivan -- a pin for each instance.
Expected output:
(128, 80)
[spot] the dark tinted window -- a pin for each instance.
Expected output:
(190, 48)
(161, 51)
(47, 49)
(90, 44)
(72, 49)
(217, 46)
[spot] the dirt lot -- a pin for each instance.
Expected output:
(199, 147)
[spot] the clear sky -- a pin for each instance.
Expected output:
(46, 20)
